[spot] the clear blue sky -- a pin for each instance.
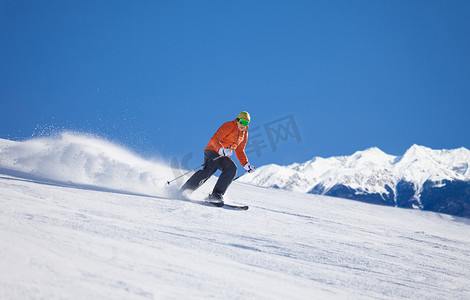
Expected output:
(159, 77)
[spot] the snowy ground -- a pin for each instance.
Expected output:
(82, 218)
(75, 242)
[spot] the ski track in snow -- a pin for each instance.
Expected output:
(78, 240)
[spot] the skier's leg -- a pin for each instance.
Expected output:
(229, 170)
(201, 176)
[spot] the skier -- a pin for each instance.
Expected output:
(231, 136)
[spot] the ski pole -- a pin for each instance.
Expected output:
(170, 181)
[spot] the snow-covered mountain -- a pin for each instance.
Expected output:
(437, 180)
(82, 218)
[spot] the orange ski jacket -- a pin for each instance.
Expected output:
(229, 136)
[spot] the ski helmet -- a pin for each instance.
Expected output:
(244, 115)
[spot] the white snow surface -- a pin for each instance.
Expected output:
(82, 159)
(367, 171)
(82, 218)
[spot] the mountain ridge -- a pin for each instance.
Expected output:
(374, 176)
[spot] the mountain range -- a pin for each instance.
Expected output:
(422, 178)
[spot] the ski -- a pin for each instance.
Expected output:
(217, 204)
(230, 206)
(239, 207)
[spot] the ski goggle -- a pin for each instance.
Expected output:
(243, 122)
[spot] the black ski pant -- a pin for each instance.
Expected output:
(224, 164)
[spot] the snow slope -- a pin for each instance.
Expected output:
(92, 237)
(82, 159)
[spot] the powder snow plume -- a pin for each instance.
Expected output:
(82, 159)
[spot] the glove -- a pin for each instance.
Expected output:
(249, 168)
(225, 152)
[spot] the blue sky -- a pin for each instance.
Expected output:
(160, 77)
